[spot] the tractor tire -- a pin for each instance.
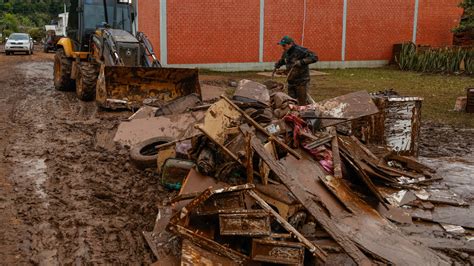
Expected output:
(86, 81)
(62, 71)
(144, 154)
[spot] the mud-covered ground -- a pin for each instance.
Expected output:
(68, 195)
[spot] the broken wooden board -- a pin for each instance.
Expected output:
(173, 126)
(454, 215)
(371, 232)
(191, 254)
(350, 106)
(218, 119)
(313, 207)
(196, 182)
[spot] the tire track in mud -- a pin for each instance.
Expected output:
(74, 195)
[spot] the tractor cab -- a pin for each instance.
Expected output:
(115, 14)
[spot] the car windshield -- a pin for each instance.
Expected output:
(118, 14)
(18, 37)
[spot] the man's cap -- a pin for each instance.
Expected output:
(285, 40)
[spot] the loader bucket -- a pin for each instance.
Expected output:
(127, 87)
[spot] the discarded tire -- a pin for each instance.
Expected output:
(144, 154)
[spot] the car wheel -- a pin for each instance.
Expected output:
(7, 53)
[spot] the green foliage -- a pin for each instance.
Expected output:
(37, 33)
(467, 20)
(9, 22)
(436, 60)
(22, 16)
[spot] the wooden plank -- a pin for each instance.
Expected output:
(349, 247)
(317, 251)
(260, 128)
(335, 153)
(366, 227)
(355, 163)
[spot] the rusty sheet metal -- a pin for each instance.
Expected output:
(351, 106)
(245, 223)
(192, 254)
(307, 199)
(220, 203)
(277, 252)
(365, 227)
(397, 125)
(173, 126)
(134, 84)
(253, 91)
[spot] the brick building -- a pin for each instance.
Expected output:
(242, 34)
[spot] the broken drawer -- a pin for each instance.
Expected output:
(277, 252)
(221, 203)
(246, 223)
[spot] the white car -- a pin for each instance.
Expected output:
(19, 42)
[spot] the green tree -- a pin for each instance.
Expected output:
(467, 19)
(9, 22)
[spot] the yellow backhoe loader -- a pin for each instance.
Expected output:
(102, 59)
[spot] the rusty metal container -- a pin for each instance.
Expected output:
(277, 252)
(396, 126)
(470, 100)
(247, 223)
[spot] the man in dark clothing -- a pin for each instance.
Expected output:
(296, 58)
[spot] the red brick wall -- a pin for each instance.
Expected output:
(374, 26)
(323, 28)
(227, 31)
(213, 31)
(149, 22)
(282, 17)
(435, 20)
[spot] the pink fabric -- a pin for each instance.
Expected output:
(321, 153)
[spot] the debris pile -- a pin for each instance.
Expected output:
(259, 179)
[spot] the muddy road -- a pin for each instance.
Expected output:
(68, 194)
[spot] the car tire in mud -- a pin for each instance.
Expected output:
(144, 154)
(86, 81)
(62, 71)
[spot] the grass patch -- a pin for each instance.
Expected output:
(439, 91)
